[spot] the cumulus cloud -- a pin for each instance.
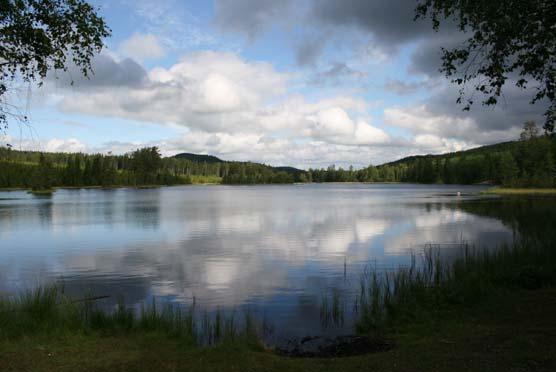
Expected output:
(243, 110)
(490, 123)
(387, 26)
(65, 145)
(221, 98)
(436, 144)
(246, 110)
(302, 153)
(51, 145)
(201, 91)
(142, 47)
(106, 73)
(334, 125)
(433, 126)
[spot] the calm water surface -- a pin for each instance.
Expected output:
(275, 250)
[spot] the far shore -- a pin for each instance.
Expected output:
(519, 191)
(496, 190)
(104, 187)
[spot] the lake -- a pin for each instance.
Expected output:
(274, 250)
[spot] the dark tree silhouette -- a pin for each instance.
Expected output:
(508, 40)
(40, 35)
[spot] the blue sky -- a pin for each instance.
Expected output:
(304, 83)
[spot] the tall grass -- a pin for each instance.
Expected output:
(47, 310)
(332, 310)
(386, 299)
(424, 287)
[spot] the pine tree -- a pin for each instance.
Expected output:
(43, 176)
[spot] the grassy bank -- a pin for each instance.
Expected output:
(516, 334)
(519, 191)
(485, 310)
(47, 311)
(424, 292)
(205, 180)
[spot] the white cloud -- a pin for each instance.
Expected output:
(439, 132)
(333, 122)
(65, 145)
(334, 125)
(244, 110)
(419, 119)
(435, 144)
(52, 145)
(302, 153)
(142, 47)
(202, 91)
(366, 134)
(219, 95)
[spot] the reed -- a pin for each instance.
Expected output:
(332, 310)
(47, 311)
(430, 284)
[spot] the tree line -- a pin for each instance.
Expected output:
(40, 170)
(145, 166)
(529, 162)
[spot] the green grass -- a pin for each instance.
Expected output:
(204, 180)
(47, 311)
(513, 333)
(485, 311)
(421, 291)
(519, 191)
(332, 310)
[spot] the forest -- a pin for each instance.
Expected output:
(142, 167)
(528, 162)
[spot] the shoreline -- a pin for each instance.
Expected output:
(42, 331)
(54, 188)
(496, 190)
(519, 191)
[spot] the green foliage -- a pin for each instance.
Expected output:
(43, 177)
(415, 293)
(145, 163)
(332, 310)
(40, 35)
(253, 173)
(527, 163)
(141, 167)
(48, 311)
(505, 39)
(199, 158)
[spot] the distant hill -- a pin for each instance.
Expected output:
(199, 158)
(495, 148)
(290, 170)
(524, 163)
(213, 159)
